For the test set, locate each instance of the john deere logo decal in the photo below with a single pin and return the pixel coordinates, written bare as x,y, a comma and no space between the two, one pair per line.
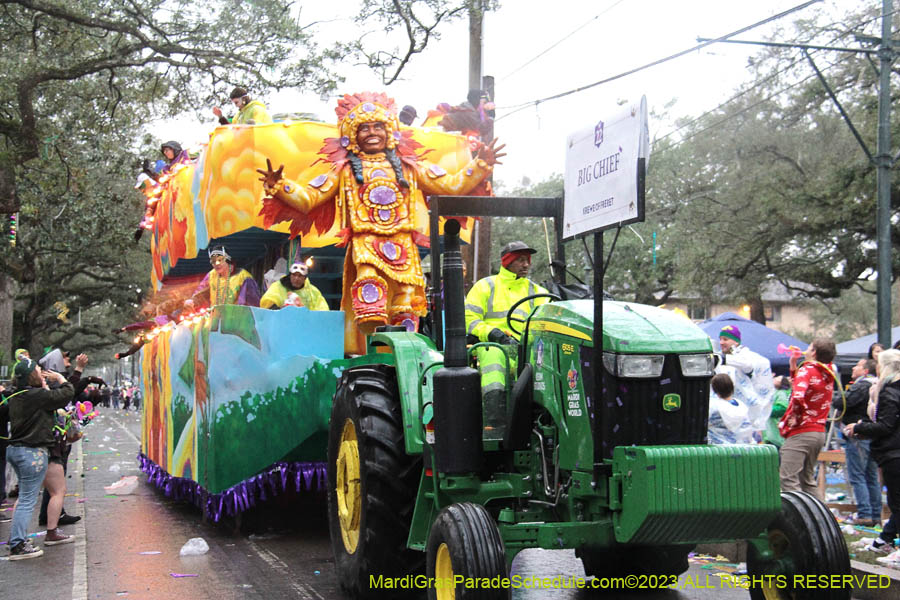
671,402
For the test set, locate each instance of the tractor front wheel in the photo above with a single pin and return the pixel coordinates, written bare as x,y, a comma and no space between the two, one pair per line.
465,542
372,482
804,540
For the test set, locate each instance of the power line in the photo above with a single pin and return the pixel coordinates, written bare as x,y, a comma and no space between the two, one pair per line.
561,40
741,111
847,31
659,61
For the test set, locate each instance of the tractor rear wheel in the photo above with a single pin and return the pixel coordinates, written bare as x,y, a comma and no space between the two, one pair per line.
464,542
804,539
372,482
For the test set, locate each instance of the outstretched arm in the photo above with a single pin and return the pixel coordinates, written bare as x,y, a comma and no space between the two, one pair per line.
491,153
433,179
134,348
200,296
310,192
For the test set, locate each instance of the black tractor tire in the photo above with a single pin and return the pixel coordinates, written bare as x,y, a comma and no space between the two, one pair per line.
640,560
465,539
366,413
805,536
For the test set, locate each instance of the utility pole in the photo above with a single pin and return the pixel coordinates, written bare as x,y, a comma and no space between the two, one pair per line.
477,255
476,32
884,161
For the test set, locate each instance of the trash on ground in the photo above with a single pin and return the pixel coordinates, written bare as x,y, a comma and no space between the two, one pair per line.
849,529
194,547
31,535
891,560
114,468
183,574
123,487
150,552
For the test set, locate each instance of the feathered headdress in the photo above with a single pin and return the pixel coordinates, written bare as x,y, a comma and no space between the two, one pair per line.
352,110
366,107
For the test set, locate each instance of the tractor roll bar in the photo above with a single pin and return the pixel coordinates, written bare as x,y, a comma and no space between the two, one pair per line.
482,206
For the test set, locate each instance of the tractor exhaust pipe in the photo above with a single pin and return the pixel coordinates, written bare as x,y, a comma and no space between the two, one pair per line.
454,311
457,387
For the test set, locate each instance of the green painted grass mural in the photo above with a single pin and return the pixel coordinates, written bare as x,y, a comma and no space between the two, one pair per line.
242,390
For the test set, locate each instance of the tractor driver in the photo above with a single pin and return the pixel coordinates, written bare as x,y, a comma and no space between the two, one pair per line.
487,304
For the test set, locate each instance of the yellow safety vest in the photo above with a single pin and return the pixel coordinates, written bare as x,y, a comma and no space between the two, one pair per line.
490,298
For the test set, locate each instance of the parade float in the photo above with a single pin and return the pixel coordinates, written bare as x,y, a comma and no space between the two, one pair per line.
602,444
237,397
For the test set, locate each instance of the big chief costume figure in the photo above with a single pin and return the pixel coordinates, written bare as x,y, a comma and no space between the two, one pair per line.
371,188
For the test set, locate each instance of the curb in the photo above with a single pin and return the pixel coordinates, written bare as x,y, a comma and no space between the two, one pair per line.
737,552
889,592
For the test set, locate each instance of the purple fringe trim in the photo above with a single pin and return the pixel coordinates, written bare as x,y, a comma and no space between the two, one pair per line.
242,496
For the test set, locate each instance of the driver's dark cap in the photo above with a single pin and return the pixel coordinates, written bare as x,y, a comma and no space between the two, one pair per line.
517,247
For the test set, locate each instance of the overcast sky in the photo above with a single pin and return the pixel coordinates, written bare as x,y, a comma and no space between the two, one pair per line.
591,40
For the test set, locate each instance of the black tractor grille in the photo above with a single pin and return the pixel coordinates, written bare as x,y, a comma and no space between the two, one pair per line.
632,413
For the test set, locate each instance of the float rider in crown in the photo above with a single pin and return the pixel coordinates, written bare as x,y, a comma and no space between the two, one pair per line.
370,189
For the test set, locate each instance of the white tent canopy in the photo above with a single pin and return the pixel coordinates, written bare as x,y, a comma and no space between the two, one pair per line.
861,345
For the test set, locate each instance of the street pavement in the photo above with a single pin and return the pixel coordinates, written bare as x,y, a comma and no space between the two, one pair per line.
128,546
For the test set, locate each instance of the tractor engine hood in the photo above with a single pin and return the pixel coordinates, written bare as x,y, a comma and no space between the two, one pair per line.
628,328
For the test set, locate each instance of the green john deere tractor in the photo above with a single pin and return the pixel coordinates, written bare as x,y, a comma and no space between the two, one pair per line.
625,478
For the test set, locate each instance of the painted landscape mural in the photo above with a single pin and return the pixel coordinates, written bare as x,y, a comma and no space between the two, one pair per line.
242,389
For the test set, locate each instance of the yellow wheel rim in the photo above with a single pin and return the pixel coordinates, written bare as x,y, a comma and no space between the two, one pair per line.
771,592
443,572
349,500
780,546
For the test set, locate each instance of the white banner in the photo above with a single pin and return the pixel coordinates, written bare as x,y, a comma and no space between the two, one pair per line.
602,174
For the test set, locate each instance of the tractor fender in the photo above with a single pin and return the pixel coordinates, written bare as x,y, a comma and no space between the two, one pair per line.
415,360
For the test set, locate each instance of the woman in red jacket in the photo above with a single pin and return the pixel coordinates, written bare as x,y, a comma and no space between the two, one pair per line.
803,423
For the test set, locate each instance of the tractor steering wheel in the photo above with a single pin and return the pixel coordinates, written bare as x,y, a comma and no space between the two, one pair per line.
512,309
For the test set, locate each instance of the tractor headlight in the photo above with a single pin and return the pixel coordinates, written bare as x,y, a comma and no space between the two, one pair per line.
609,361
643,366
697,365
